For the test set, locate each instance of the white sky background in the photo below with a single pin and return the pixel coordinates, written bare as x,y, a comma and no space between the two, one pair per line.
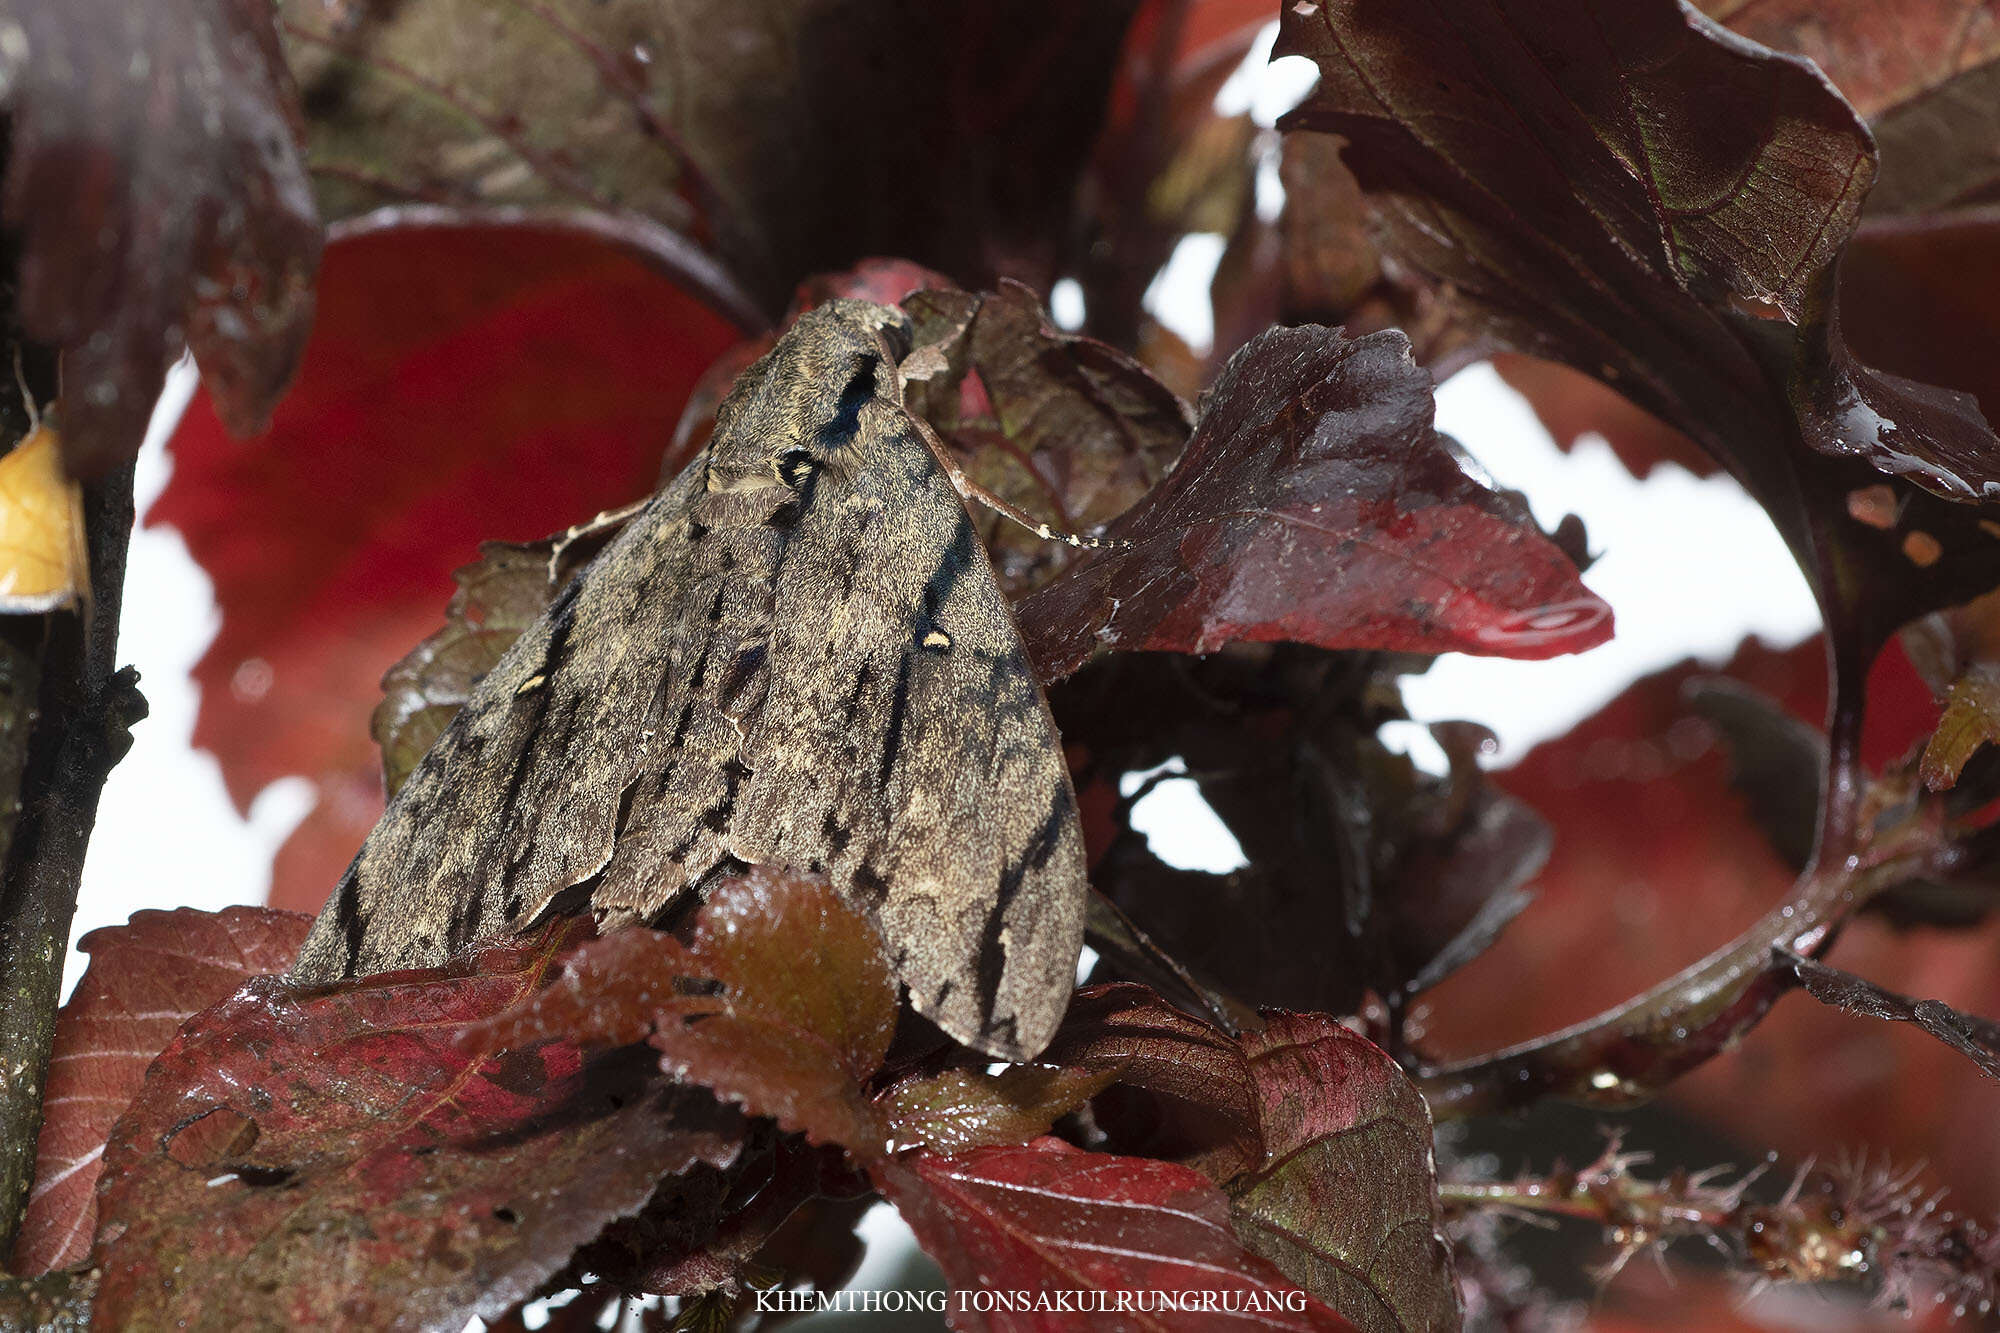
1689,567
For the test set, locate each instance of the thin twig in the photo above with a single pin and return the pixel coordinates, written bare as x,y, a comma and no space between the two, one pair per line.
1625,1056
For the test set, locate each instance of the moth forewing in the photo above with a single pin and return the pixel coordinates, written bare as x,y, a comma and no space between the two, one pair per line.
796,654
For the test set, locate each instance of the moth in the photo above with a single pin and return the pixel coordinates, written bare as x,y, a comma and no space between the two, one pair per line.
795,654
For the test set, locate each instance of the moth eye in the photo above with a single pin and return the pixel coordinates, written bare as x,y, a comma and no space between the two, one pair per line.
854,396
794,466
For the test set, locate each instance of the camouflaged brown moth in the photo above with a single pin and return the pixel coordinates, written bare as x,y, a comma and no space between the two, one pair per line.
795,654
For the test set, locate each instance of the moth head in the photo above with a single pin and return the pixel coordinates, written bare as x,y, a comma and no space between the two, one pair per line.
809,403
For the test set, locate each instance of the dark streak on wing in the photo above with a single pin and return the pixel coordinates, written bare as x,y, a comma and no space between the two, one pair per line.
347,910
958,558
899,708
992,955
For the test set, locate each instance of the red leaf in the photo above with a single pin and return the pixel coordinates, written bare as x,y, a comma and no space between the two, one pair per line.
1316,503
460,386
782,1002
1345,1200
1046,1220
144,980
1319,1139
334,1156
155,182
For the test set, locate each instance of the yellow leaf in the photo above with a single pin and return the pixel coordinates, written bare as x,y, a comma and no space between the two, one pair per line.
43,561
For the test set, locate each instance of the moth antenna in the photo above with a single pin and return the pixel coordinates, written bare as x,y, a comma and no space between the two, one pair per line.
969,489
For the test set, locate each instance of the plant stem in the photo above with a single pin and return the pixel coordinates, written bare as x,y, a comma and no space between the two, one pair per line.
1623,1057
82,709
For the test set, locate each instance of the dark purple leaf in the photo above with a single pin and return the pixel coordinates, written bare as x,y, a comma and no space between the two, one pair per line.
1317,504
1344,1196
1627,189
154,178
300,1157
1397,877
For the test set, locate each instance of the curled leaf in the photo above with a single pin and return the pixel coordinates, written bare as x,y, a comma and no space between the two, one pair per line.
1319,1139
1628,189
1066,428
1316,503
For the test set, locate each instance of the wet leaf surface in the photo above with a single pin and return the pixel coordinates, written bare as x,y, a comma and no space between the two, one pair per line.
161,203
1344,1196
300,1156
144,980
461,386
1318,1138
1046,1217
1584,181
1316,503
962,1109
780,1001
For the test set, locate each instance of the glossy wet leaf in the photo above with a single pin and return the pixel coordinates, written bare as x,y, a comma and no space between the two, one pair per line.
962,1109
1344,1196
1046,1218
301,1156
781,1001
1316,503
155,181
461,387
1585,177
145,978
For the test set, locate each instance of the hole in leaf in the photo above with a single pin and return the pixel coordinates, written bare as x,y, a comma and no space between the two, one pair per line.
212,1138
263,1177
